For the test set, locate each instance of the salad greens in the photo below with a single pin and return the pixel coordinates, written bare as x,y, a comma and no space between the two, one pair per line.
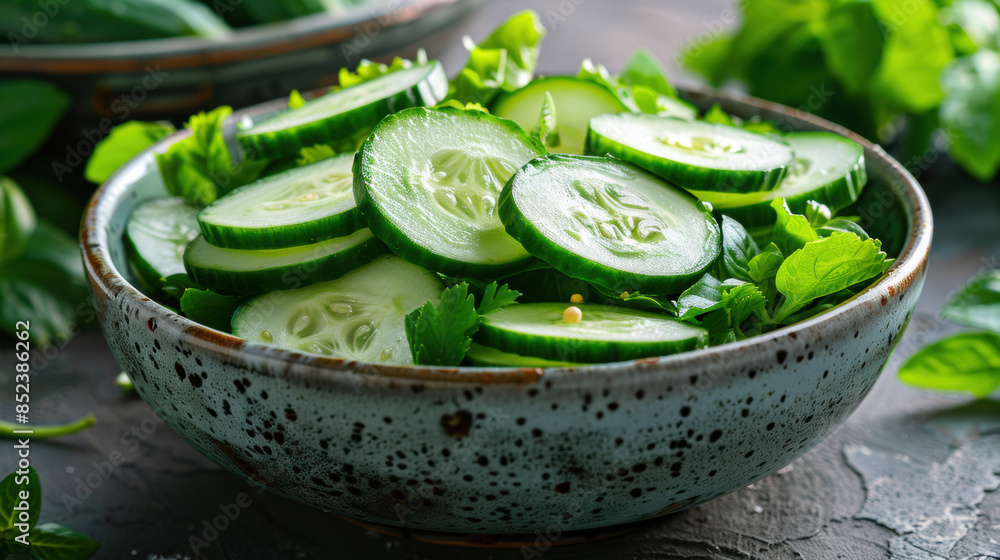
969,361
870,64
122,144
49,541
504,61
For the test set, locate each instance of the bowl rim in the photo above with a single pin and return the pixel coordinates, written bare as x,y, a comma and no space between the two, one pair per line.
320,370
244,44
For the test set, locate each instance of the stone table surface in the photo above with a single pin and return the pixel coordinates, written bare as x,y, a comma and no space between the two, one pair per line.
911,475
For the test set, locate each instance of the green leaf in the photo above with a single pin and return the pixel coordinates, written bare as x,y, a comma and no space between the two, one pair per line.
722,307
29,111
598,73
649,101
716,115
644,69
51,541
978,304
763,268
973,23
11,488
843,225
17,219
123,143
45,286
210,309
547,130
916,51
496,298
825,267
971,112
738,248
174,286
505,60
707,294
852,43
200,167
312,154
295,99
440,335
967,362
791,231
817,214
368,71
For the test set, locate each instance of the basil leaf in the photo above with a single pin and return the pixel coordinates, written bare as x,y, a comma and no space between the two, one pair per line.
791,231
966,362
210,309
51,541
825,267
29,110
17,219
842,225
11,488
123,143
978,304
737,249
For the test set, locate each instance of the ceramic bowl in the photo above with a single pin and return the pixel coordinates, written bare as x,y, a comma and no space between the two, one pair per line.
513,451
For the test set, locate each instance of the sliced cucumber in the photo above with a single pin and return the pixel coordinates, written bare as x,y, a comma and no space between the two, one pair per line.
610,223
693,154
427,182
344,118
297,207
484,356
156,235
359,316
576,99
603,334
828,168
248,271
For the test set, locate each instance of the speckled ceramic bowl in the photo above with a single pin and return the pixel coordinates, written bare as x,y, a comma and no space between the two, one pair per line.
513,451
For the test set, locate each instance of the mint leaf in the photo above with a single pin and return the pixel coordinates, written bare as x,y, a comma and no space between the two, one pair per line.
29,110
440,335
547,129
123,143
210,309
51,541
496,298
966,362
824,267
505,60
738,248
978,304
11,488
791,231
200,167
17,219
971,112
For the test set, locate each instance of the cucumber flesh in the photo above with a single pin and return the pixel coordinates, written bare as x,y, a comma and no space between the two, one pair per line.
603,334
427,182
610,223
246,271
157,233
484,356
576,101
343,118
297,207
693,154
359,316
828,168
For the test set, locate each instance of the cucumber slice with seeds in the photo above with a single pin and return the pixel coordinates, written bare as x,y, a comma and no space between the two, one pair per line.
610,223
246,271
297,207
693,154
484,356
359,316
343,118
156,235
576,99
603,334
427,181
828,168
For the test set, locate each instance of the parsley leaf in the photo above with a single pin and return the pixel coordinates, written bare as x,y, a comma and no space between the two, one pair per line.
967,362
824,267
496,298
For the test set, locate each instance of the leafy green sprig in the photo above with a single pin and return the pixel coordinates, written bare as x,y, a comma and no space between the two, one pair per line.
21,493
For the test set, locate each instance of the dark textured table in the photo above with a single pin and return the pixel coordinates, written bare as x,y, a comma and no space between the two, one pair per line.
912,475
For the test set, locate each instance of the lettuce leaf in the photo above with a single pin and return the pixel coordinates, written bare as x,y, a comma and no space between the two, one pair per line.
504,61
123,143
